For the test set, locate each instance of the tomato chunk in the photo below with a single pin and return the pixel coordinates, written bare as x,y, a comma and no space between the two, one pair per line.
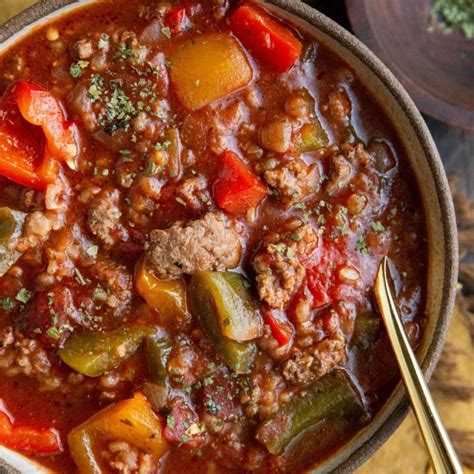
271,42
34,135
321,278
27,438
237,188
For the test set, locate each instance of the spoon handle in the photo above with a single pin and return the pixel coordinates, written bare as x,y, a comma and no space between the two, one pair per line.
442,454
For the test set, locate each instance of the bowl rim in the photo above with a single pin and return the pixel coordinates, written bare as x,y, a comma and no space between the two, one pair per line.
40,12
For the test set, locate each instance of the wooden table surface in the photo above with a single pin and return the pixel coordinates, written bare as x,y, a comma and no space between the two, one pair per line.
453,381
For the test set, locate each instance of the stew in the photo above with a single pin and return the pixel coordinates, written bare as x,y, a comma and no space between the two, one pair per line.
195,199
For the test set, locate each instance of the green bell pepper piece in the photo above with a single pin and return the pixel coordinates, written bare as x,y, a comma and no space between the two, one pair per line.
225,311
158,352
313,136
95,353
11,225
366,330
330,397
234,307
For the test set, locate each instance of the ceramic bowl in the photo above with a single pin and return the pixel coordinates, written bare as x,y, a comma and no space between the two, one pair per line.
432,182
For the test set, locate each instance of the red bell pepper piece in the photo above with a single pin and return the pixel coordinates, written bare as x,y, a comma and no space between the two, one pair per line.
237,188
177,20
282,329
33,136
40,107
27,438
270,41
21,146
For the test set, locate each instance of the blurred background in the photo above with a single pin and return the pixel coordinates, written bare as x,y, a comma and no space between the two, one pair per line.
426,28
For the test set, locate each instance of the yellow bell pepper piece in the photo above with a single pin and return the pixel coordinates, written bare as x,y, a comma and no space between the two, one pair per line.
131,420
168,297
208,67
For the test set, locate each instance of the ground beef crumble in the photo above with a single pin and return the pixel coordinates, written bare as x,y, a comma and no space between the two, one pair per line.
321,347
279,271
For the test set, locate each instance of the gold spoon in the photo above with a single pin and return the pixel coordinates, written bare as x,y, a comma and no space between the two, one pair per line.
441,451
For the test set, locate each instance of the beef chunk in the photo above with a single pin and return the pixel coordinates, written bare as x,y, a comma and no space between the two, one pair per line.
210,243
278,265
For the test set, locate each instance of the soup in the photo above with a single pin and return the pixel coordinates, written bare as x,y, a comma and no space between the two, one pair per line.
196,197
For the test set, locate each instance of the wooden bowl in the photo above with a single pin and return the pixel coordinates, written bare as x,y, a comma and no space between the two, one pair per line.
436,68
430,176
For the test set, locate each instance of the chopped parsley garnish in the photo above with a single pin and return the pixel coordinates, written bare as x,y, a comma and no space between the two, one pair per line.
7,304
103,41
450,14
280,248
170,421
76,68
151,167
162,146
123,52
361,245
79,277
166,31
99,294
23,296
92,251
119,110
53,333
211,406
96,88
377,226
